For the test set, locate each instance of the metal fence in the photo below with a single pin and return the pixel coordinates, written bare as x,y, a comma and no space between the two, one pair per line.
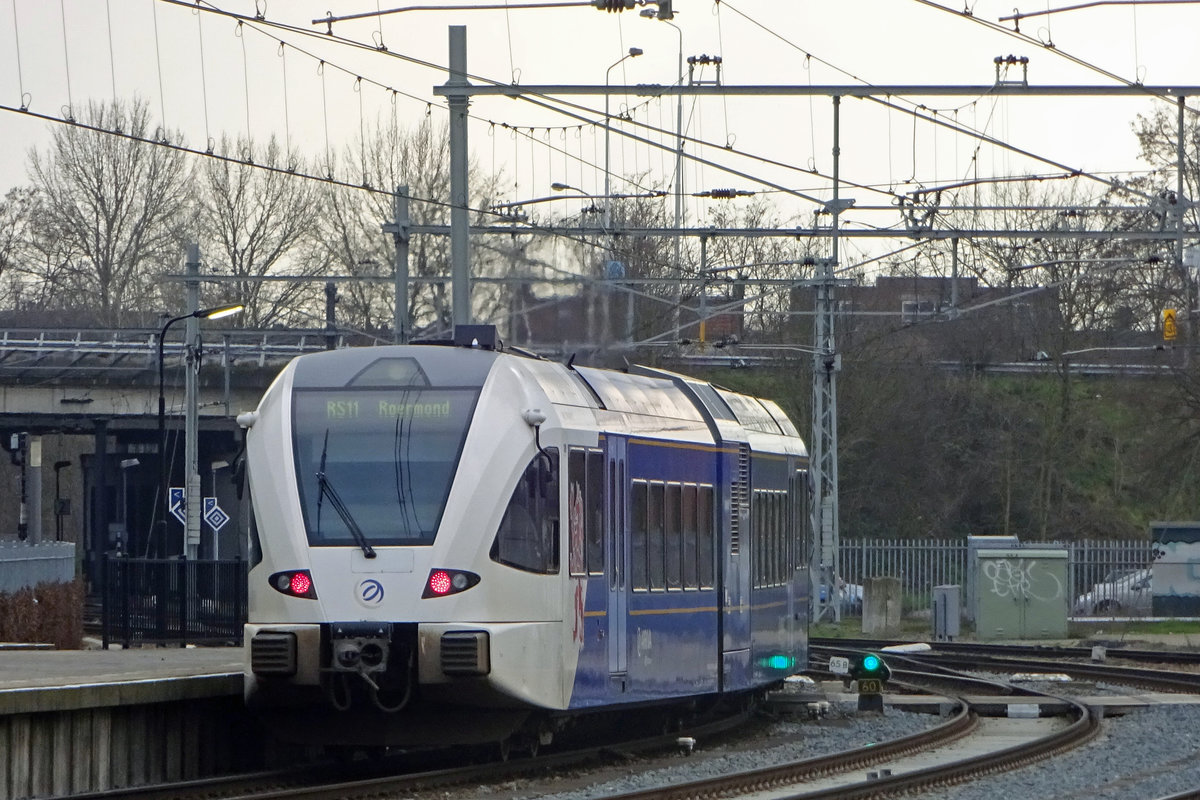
1105,576
172,601
25,564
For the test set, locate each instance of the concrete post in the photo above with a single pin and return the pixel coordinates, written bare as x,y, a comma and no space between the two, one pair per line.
460,220
35,488
882,601
191,423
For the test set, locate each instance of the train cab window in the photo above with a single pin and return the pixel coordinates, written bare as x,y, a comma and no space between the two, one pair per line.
528,535
388,454
705,538
638,515
673,539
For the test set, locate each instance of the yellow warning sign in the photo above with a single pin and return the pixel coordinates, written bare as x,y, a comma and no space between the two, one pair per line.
1169,330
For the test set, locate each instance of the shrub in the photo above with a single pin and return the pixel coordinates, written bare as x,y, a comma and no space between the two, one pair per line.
47,613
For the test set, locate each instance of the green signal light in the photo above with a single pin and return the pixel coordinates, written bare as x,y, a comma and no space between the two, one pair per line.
871,663
777,662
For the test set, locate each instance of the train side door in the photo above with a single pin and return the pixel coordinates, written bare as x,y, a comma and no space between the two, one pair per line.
798,543
617,499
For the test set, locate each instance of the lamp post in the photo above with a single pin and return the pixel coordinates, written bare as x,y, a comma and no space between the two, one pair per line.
215,466
634,52
204,313
665,16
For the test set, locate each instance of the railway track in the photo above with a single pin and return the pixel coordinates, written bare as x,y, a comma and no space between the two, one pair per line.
404,775
1007,658
931,758
1112,650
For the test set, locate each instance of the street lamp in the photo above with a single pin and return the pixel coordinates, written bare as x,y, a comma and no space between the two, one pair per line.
664,14
204,313
634,52
566,187
216,465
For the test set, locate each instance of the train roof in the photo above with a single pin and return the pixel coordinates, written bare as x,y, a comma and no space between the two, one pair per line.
646,392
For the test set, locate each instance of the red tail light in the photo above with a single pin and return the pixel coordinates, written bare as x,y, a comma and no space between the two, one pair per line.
442,582
294,583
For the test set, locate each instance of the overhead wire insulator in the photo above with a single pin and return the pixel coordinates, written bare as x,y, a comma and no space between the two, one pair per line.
724,194
613,6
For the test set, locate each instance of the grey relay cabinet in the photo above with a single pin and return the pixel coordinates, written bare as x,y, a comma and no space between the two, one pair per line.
1021,594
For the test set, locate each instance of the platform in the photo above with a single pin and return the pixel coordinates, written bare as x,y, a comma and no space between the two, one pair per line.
88,720
61,680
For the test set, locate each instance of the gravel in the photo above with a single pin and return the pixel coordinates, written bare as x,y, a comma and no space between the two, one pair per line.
1150,752
1146,753
780,742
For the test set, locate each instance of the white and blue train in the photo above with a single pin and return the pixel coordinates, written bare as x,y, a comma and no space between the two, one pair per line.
456,542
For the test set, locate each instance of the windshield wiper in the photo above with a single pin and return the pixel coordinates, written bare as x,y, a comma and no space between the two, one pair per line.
325,489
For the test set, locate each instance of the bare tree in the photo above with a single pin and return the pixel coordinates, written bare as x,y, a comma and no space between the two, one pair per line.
15,211
109,212
353,243
253,220
734,263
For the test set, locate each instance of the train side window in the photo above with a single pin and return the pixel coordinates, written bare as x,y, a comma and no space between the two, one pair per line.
640,532
254,553
690,534
655,542
577,502
673,540
777,534
785,566
593,509
706,538
756,539
528,534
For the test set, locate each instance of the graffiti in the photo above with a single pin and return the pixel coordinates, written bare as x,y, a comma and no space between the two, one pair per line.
575,523
577,631
1021,579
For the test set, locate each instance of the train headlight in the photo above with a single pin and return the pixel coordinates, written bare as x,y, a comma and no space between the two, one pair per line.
443,582
294,583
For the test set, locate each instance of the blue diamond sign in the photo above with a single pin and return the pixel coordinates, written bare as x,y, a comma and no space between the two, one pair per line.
177,504
213,515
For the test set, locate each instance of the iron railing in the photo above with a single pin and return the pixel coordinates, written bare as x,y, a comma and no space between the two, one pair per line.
1102,568
172,601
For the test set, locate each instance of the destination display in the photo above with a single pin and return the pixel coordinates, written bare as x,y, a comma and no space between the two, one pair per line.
387,454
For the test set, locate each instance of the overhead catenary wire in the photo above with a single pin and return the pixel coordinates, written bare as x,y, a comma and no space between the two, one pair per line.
544,102
17,51
66,58
239,161
421,62
203,79
541,101
162,103
1049,46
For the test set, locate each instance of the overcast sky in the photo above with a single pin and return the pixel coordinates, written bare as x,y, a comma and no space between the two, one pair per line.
205,76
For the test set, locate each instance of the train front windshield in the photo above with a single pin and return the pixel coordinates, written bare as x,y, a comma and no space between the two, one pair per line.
379,460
